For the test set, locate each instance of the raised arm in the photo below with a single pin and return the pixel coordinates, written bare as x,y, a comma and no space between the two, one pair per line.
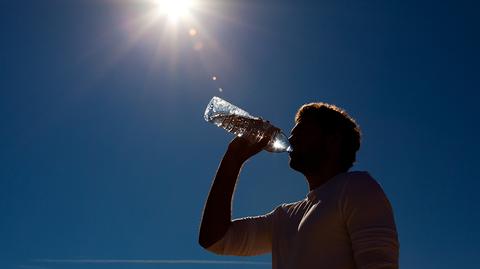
216,218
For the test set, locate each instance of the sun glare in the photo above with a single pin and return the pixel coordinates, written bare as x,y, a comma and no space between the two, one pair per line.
175,9
174,27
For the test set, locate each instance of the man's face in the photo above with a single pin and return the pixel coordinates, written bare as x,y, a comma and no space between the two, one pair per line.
310,148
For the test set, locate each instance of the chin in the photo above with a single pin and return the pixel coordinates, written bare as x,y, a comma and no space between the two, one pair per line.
295,166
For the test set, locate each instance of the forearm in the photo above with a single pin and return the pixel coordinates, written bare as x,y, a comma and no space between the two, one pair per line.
216,217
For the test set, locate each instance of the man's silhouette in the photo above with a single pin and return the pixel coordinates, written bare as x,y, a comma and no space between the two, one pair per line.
345,221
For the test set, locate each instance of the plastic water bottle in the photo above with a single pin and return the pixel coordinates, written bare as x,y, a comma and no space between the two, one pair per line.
237,121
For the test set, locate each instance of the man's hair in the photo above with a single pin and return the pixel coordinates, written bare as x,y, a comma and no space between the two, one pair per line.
334,121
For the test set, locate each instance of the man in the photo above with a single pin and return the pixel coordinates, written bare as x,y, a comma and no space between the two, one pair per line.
345,221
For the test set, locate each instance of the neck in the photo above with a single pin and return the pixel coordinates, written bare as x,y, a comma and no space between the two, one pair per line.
321,177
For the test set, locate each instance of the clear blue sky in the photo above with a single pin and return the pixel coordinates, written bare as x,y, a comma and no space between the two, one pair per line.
105,153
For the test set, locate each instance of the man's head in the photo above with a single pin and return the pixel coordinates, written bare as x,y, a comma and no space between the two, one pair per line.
323,135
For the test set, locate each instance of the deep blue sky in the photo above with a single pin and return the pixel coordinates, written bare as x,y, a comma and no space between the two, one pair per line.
105,154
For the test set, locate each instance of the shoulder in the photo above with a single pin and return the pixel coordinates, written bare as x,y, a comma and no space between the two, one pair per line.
360,180
364,202
360,185
361,188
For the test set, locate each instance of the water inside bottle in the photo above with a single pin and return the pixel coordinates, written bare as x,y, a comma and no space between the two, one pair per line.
254,128
239,125
239,122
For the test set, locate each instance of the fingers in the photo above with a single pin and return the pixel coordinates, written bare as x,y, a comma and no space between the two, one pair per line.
264,141
252,143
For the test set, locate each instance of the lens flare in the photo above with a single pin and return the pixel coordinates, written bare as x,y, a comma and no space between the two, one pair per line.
175,9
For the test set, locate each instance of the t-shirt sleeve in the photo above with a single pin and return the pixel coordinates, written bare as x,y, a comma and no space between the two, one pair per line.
247,236
369,220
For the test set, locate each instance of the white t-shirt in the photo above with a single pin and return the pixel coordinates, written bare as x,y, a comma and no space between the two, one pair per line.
347,223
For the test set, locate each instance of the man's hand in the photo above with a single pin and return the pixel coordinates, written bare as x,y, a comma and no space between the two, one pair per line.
241,149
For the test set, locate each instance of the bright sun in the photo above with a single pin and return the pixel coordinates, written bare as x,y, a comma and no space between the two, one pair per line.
175,9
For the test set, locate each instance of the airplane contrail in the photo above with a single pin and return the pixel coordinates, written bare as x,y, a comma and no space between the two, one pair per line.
123,261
